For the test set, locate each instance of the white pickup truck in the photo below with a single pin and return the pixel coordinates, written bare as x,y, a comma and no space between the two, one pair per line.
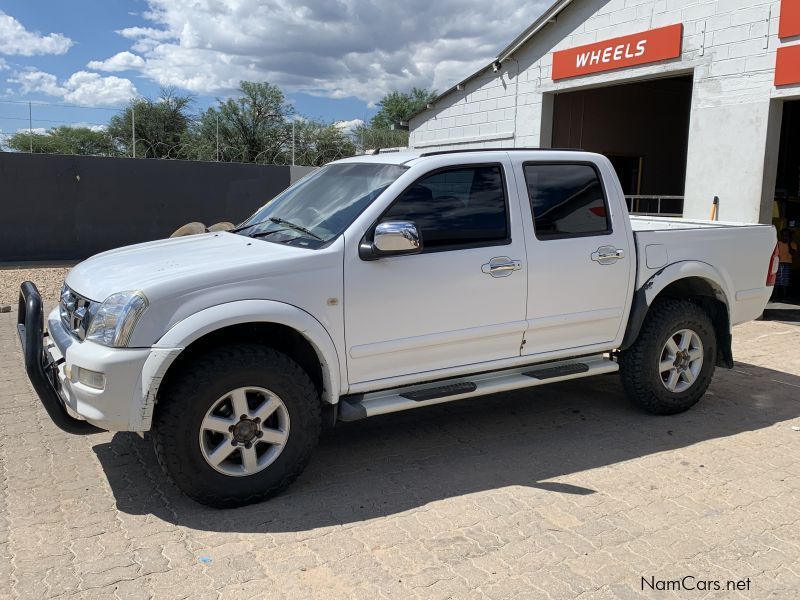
384,283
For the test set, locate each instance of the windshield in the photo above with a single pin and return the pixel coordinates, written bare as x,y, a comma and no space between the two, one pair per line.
322,205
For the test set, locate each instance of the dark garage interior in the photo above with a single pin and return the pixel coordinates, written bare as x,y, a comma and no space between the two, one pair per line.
787,189
642,127
786,207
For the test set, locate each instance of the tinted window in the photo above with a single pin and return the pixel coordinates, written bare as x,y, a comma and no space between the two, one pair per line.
566,200
463,206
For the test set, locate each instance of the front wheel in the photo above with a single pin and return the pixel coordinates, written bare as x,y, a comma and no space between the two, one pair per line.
237,426
670,365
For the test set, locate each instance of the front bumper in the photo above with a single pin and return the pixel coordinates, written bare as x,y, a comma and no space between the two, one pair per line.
51,358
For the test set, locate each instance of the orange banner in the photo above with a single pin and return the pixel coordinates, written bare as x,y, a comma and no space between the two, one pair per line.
650,46
790,19
787,65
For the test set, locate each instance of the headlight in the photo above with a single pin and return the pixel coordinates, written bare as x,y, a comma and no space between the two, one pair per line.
113,322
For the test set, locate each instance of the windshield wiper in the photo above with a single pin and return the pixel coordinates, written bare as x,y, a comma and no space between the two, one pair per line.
277,221
290,225
261,234
243,227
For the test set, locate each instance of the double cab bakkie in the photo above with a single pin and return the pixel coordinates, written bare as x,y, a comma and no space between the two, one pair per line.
384,283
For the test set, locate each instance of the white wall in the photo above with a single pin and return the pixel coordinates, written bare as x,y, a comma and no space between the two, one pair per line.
728,45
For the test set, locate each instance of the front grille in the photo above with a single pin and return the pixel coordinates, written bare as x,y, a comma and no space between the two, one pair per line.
74,311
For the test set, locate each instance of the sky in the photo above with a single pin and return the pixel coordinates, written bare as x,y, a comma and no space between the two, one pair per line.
79,61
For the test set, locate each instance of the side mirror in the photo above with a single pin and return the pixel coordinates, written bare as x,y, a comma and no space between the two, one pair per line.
392,238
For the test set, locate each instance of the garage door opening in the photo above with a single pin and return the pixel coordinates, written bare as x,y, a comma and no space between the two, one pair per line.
644,130
786,209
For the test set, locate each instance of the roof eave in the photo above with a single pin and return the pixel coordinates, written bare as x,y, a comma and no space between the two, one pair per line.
548,15
450,90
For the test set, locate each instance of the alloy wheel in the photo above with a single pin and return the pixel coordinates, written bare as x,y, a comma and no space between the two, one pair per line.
681,360
244,431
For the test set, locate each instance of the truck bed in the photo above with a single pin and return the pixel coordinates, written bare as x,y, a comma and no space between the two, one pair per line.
739,252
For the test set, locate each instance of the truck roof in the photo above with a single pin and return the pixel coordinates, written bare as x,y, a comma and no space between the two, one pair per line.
400,158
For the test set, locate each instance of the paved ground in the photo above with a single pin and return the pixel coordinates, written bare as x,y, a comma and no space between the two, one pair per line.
561,492
48,278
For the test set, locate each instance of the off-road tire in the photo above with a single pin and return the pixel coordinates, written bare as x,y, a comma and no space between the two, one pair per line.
191,392
638,364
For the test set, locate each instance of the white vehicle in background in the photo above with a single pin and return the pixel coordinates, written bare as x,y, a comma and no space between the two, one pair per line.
385,283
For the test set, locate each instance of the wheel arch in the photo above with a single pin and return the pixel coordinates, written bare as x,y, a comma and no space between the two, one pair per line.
694,281
283,327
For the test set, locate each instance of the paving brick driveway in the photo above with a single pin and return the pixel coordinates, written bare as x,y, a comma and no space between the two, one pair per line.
559,492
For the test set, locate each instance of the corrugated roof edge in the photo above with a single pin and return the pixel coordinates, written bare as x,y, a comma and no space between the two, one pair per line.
505,53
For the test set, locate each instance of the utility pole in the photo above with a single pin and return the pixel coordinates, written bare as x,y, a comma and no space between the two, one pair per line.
30,125
293,142
133,130
217,137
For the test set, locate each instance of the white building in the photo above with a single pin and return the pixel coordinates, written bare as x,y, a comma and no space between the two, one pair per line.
691,99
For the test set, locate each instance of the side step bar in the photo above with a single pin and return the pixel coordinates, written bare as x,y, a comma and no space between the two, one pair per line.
361,406
440,392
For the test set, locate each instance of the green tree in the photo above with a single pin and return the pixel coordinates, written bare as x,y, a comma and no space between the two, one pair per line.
395,108
161,125
254,127
65,140
369,138
316,143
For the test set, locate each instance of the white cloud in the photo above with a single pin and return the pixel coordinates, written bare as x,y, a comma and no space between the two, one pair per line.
80,125
15,39
122,61
349,126
146,38
135,33
34,131
92,126
3,65
37,81
83,88
333,48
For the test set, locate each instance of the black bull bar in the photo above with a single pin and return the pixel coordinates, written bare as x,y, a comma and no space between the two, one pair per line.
41,370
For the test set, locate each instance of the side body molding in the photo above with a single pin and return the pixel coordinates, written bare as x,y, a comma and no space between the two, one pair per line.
191,329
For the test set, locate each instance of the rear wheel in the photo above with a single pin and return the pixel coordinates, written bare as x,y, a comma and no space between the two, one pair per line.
670,365
237,426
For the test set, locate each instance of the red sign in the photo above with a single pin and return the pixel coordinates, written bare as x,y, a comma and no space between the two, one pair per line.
790,19
787,66
626,51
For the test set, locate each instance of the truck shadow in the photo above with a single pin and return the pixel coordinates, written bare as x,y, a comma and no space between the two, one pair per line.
390,464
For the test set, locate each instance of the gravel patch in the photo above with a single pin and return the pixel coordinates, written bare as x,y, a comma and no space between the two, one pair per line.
47,278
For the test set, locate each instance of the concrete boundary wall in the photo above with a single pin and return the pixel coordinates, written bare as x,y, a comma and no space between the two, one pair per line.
56,207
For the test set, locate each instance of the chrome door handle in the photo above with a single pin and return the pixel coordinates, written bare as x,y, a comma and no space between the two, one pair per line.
606,255
501,266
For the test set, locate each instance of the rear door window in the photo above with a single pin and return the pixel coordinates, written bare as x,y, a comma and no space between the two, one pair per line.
567,200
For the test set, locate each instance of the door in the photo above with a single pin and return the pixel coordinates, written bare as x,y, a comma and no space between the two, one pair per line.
461,300
579,262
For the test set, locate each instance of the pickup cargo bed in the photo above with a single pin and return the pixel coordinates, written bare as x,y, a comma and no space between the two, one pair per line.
664,241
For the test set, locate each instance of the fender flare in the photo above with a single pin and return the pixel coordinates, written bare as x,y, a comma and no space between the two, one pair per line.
643,297
211,319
